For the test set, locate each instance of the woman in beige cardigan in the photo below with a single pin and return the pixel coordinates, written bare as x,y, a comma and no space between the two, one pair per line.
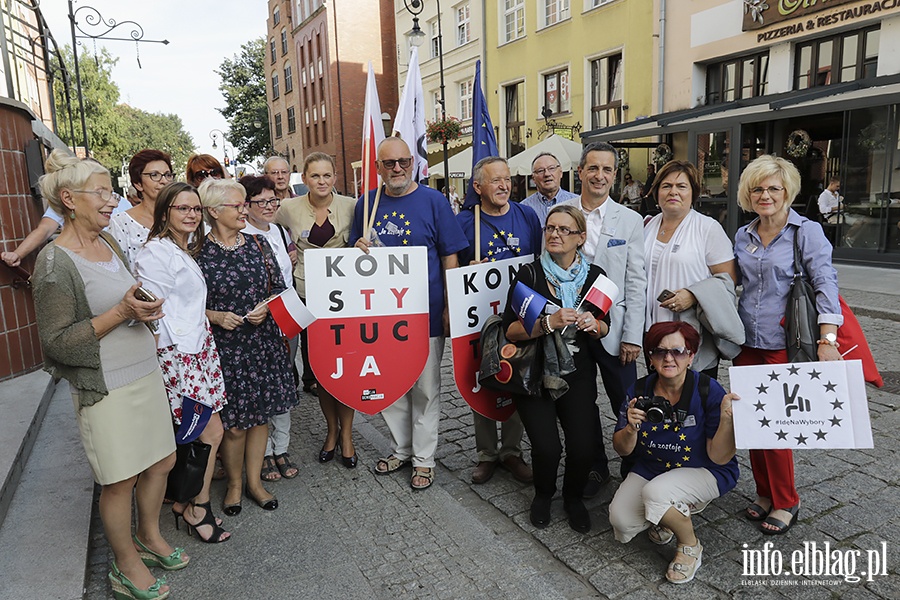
88,318
321,219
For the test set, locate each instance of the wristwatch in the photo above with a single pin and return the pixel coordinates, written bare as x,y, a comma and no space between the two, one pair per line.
830,339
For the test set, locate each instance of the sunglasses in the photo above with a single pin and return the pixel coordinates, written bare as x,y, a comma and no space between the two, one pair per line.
204,174
677,353
390,162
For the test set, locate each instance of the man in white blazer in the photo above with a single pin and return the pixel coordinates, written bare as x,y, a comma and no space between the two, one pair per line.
615,242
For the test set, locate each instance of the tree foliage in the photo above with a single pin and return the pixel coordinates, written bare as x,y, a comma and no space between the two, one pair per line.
243,85
115,131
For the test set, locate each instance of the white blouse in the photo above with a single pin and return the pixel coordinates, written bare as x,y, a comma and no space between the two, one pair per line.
129,234
169,272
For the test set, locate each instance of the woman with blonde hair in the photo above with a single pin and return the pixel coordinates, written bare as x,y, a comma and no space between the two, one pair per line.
241,272
85,299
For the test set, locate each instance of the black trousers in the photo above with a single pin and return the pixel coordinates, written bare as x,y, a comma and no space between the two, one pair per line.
575,412
308,378
616,381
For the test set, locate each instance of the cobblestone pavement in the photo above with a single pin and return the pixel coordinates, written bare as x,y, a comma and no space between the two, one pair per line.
349,534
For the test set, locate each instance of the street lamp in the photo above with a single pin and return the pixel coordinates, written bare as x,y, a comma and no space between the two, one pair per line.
214,135
416,37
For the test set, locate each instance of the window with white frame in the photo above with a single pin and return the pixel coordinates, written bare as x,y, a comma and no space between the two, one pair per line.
435,42
606,91
284,42
288,78
272,46
596,3
555,11
556,91
278,131
465,100
276,16
436,102
513,20
275,92
462,24
292,120
514,96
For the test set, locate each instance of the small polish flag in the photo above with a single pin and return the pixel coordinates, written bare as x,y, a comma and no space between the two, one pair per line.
290,313
603,293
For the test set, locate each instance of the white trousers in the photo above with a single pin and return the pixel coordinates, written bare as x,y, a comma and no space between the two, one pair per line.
639,503
413,419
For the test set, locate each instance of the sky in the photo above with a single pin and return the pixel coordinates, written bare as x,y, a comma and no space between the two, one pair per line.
179,77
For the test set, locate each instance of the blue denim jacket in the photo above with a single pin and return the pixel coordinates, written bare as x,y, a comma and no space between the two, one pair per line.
766,274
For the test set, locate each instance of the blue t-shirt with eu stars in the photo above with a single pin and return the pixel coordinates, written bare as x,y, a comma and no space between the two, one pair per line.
420,218
662,447
516,233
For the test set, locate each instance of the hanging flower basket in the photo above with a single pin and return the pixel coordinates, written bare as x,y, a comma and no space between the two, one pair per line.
798,144
662,154
445,130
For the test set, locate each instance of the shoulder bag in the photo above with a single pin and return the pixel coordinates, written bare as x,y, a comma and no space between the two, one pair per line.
801,327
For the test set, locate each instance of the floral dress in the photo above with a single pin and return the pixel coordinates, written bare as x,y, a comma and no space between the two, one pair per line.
254,359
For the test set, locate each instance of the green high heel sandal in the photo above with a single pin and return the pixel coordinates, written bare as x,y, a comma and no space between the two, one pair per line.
172,562
123,589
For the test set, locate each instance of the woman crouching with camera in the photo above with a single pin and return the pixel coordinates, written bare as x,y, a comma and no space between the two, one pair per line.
677,424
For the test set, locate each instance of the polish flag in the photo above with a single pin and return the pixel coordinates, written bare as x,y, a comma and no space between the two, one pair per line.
290,313
410,122
373,134
603,293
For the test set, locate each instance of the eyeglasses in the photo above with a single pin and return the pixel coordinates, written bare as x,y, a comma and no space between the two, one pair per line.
105,195
156,176
238,207
773,190
540,172
277,173
677,353
562,231
186,209
215,173
276,202
390,162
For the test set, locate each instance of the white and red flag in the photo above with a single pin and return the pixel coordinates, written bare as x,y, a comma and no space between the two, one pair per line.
410,122
603,293
290,313
373,134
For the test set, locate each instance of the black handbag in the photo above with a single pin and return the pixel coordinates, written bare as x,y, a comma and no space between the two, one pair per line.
510,367
186,477
801,326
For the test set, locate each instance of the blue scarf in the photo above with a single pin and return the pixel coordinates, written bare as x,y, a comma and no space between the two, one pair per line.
566,282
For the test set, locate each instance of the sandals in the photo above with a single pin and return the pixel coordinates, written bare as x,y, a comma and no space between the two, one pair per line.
755,512
683,572
287,469
779,525
426,473
270,470
389,465
660,535
172,562
209,519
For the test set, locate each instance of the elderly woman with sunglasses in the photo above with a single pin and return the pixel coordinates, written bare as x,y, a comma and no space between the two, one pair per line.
678,425
201,166
150,171
186,349
262,208
241,272
85,300
562,275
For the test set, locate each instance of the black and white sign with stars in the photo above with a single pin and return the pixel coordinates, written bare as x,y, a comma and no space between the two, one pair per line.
801,405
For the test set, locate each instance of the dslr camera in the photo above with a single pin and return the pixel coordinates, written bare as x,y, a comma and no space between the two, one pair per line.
657,408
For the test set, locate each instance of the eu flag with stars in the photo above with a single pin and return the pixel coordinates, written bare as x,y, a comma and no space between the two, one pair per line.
484,142
528,305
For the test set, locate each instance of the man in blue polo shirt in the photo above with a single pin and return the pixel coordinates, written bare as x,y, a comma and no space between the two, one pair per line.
410,214
547,176
508,230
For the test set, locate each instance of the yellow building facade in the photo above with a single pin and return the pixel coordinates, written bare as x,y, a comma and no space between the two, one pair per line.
568,66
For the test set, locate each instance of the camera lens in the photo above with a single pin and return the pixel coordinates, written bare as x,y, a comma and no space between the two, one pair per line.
655,414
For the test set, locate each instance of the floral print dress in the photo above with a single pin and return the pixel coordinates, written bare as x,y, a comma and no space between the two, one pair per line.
254,359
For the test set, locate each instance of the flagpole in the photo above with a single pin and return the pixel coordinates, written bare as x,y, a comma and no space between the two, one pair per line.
477,233
370,224
365,186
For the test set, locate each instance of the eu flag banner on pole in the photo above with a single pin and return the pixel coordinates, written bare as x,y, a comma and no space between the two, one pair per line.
484,142
528,305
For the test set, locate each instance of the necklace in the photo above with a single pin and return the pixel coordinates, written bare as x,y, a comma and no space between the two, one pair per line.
237,244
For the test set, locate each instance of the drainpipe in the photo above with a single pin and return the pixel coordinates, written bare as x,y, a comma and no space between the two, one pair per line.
662,56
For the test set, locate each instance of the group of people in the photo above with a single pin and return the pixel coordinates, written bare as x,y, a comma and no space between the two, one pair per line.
166,300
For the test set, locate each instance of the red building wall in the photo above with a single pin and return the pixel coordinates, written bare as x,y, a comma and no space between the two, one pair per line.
20,350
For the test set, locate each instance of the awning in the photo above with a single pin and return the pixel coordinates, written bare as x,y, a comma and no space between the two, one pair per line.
567,152
460,165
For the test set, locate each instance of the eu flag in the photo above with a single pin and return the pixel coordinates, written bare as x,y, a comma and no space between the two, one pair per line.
484,142
528,305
